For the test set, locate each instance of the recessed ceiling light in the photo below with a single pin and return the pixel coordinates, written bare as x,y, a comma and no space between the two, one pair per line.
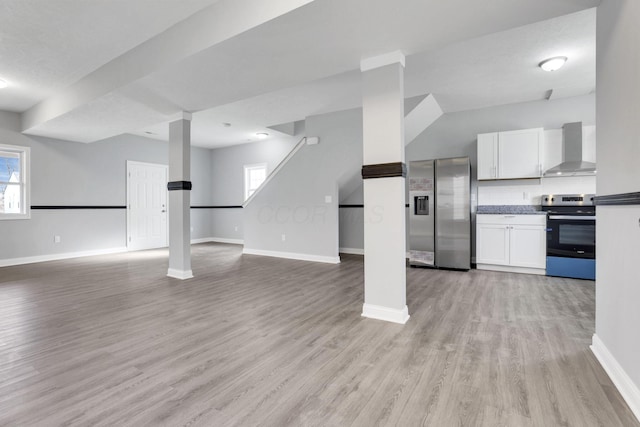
262,135
3,84
553,64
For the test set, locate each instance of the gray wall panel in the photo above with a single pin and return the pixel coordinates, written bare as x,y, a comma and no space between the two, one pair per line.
617,232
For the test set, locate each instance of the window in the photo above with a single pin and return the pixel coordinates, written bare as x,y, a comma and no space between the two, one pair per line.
14,182
254,176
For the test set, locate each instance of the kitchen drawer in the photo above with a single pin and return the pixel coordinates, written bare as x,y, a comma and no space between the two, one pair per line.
511,219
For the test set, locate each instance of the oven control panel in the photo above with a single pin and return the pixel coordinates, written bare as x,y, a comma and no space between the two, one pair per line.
567,199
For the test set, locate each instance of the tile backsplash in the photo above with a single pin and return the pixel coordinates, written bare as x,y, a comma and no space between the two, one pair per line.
528,191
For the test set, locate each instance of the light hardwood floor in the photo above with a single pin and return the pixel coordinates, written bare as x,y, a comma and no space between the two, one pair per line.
252,340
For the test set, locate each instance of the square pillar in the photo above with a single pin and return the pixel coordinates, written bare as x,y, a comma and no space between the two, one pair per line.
180,198
384,173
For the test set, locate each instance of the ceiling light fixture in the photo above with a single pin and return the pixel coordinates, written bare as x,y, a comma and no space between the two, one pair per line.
3,84
553,64
226,124
262,135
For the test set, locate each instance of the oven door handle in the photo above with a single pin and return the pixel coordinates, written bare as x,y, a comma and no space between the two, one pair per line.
573,217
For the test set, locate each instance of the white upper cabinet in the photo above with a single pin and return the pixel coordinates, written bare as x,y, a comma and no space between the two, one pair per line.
510,155
488,156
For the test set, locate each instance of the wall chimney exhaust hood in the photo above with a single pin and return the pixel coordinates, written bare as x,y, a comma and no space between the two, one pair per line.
573,163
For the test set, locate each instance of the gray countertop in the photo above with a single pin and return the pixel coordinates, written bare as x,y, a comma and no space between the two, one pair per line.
509,210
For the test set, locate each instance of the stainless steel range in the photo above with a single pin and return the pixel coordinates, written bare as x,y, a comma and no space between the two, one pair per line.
571,235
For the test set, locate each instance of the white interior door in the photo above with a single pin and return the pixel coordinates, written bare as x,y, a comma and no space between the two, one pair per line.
146,205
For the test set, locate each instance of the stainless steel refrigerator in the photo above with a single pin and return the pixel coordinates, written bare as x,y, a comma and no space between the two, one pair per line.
440,213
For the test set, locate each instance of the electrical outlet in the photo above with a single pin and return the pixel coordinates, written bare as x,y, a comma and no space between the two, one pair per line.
284,237
192,229
56,239
236,228
327,199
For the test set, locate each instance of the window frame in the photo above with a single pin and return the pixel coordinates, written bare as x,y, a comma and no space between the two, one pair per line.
247,171
24,183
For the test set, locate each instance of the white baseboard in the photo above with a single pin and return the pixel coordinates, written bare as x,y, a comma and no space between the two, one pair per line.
359,251
353,251
180,274
629,391
217,240
201,240
292,255
56,257
510,269
385,313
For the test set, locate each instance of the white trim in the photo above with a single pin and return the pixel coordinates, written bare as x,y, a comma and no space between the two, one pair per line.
353,251
385,313
284,161
247,171
25,181
55,257
382,60
511,269
629,391
180,274
292,255
217,240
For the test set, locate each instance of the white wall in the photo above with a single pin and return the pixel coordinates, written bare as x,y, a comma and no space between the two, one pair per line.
201,178
227,180
68,173
293,203
617,341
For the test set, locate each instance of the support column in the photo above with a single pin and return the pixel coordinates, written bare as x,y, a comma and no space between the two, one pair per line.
384,173
180,198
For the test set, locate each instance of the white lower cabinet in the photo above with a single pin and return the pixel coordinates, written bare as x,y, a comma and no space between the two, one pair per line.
492,244
511,243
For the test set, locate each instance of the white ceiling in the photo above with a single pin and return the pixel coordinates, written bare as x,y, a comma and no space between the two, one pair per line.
283,65
46,45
